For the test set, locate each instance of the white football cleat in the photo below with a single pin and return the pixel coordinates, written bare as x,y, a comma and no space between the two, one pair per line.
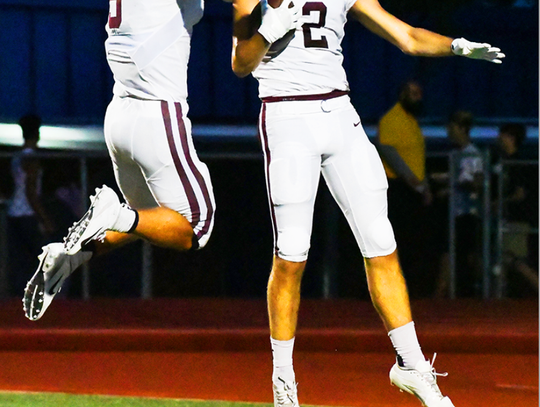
100,217
285,394
421,382
54,267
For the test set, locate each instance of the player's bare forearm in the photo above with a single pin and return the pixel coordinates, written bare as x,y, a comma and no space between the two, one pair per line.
249,47
411,40
248,54
429,44
398,165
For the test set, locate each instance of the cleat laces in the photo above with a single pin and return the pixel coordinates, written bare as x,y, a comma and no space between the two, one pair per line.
430,377
285,396
76,231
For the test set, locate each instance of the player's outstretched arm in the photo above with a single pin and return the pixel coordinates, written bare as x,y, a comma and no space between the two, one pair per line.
253,35
418,41
462,47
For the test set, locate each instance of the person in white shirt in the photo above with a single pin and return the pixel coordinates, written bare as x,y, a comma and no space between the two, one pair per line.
467,202
167,189
309,127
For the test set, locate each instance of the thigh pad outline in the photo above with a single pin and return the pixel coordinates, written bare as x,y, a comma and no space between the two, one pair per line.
293,174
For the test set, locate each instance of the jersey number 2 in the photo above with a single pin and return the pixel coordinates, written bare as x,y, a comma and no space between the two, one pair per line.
309,7
115,13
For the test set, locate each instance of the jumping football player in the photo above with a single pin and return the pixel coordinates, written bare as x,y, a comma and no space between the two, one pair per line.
168,191
308,126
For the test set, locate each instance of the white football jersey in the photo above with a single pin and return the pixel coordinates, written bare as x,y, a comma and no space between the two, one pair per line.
148,46
312,62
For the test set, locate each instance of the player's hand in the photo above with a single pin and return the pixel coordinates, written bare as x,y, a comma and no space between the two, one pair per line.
427,197
276,22
475,50
424,190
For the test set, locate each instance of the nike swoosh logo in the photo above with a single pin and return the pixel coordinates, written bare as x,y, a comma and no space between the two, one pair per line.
356,124
52,290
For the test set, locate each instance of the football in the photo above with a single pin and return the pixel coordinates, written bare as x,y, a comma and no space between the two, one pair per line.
274,3
279,46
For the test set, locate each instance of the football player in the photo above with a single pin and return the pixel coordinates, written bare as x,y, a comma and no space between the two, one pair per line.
168,190
308,127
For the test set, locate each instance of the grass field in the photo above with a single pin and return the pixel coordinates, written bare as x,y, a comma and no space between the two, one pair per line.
19,399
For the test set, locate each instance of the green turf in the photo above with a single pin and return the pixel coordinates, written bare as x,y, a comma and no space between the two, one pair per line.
70,400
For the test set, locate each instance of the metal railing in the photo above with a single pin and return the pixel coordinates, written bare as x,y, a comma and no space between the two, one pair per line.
518,230
484,202
493,224
496,226
83,158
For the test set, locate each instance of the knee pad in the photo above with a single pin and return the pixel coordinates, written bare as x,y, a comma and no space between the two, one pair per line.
380,240
293,244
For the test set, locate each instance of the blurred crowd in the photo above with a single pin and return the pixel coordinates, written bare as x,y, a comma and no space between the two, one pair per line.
427,192
433,207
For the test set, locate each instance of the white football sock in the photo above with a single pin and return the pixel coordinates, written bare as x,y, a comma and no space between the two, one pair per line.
282,352
406,345
127,220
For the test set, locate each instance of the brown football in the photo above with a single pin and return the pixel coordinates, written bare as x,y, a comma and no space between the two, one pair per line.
277,47
274,3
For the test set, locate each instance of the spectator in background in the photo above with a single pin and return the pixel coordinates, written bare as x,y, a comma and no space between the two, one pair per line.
519,208
29,223
401,145
468,181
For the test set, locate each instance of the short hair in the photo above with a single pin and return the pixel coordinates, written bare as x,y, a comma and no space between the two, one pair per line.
30,125
516,130
462,118
405,86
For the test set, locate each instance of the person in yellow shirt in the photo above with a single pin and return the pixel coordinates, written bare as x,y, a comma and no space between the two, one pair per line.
401,140
402,147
